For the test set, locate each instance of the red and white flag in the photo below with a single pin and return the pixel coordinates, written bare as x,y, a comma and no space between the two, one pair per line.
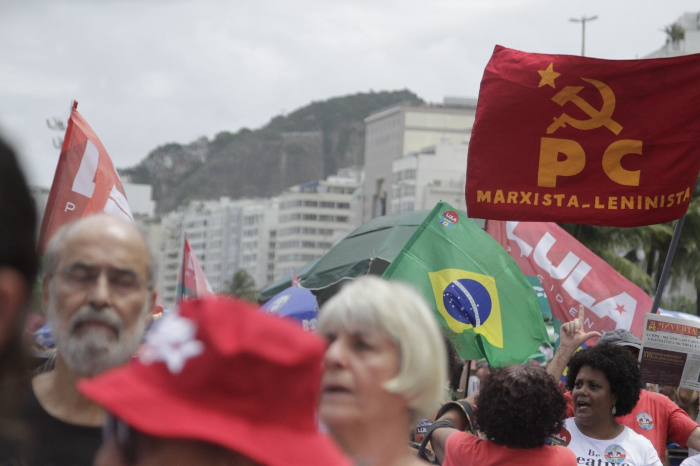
571,275
85,181
192,281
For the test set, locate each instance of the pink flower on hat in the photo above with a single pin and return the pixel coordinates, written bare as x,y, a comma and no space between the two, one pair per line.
171,340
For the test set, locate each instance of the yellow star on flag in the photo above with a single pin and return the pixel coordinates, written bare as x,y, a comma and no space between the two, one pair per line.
548,76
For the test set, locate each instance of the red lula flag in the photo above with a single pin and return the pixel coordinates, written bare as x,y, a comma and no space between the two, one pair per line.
582,140
85,181
571,275
192,281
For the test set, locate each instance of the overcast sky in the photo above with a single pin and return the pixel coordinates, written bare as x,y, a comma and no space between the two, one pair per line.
150,72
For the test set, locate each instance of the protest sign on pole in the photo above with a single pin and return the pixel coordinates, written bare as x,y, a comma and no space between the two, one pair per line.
671,351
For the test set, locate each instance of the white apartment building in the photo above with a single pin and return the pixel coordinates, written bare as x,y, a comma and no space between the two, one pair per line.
690,22
313,217
422,178
225,236
398,130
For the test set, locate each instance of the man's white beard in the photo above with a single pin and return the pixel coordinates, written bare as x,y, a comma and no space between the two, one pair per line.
93,352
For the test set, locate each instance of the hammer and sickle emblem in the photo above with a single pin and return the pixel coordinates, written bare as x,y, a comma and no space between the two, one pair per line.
602,117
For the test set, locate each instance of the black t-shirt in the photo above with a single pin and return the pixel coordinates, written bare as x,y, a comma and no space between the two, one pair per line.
52,442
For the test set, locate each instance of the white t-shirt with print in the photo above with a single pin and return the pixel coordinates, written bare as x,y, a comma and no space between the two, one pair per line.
627,449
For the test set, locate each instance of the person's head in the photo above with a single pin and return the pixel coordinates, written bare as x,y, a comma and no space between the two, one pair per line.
482,371
97,292
520,407
604,381
625,339
205,389
386,354
18,260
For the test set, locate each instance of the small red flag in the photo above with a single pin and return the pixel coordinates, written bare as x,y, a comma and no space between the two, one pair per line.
192,281
85,181
584,140
571,275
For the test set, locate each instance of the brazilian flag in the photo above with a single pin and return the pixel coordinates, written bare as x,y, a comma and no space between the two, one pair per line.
479,295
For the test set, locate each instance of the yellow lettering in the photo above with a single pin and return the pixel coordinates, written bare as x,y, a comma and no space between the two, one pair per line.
551,167
639,202
547,199
627,202
512,197
499,197
537,196
482,196
687,194
525,197
671,200
612,203
598,205
612,159
559,198
573,201
650,202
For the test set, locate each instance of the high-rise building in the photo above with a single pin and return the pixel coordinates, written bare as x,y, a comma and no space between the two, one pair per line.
683,37
313,217
424,177
225,236
398,130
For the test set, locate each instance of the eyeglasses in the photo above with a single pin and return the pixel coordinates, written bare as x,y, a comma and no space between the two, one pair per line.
126,437
81,277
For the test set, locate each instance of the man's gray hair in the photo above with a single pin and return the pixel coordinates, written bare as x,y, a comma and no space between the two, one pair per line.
54,247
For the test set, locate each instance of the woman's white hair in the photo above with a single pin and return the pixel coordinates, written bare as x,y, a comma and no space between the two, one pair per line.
399,312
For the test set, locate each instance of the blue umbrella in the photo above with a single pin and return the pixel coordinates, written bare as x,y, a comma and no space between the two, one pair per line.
296,303
43,336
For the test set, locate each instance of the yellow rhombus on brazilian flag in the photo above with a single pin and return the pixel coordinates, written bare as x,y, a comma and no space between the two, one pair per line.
479,295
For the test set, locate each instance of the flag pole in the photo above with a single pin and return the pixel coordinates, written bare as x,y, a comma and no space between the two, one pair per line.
181,285
667,264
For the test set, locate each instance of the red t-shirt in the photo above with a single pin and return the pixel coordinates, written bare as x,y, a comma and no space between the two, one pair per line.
655,417
466,449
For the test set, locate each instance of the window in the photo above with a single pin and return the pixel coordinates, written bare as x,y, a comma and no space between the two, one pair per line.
343,205
308,217
310,204
341,218
328,204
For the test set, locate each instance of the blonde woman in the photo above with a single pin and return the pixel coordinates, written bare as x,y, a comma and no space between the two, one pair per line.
385,368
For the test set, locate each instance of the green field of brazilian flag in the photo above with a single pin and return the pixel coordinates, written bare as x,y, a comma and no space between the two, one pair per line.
479,295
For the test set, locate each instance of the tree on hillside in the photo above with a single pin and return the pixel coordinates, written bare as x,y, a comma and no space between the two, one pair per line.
242,285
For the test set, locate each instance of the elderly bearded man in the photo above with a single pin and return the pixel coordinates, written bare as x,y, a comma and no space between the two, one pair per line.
98,294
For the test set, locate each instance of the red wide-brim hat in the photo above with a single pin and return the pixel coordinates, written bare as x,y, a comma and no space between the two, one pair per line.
222,372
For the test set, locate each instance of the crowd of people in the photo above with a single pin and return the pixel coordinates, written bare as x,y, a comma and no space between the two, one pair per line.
221,383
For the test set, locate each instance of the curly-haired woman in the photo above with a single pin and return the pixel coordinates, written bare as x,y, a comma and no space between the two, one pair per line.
519,407
605,382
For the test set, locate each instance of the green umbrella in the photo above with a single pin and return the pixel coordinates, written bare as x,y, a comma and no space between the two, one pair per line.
283,283
367,250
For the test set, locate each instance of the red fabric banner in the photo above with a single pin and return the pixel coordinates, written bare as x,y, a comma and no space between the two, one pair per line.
192,281
85,181
571,275
582,140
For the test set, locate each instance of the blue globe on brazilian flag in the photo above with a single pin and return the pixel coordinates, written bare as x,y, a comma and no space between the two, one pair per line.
486,306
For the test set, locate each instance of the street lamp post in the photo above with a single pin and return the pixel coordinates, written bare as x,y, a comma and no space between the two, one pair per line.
583,20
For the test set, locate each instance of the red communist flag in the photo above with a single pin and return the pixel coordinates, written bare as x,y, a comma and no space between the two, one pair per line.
85,181
583,140
571,275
